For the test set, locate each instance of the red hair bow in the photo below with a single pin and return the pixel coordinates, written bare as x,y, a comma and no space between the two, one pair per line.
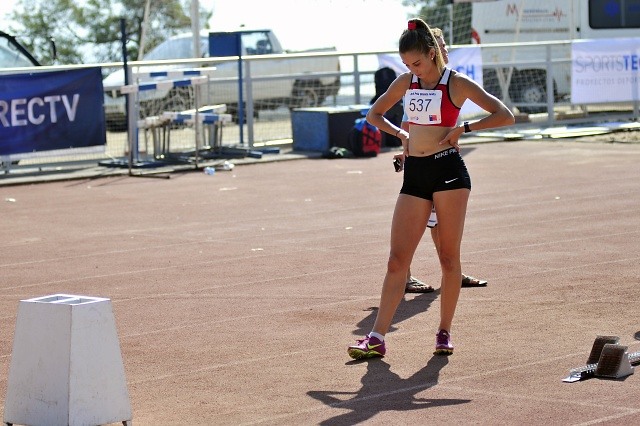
411,25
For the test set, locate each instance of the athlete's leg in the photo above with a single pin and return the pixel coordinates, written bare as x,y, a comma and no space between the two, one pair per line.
451,209
407,227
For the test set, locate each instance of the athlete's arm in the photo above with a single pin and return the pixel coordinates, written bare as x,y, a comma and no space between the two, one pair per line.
388,99
463,88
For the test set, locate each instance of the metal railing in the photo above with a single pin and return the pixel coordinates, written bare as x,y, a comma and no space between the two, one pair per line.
269,122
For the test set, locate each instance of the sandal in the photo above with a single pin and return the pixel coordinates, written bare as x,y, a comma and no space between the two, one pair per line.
414,285
469,281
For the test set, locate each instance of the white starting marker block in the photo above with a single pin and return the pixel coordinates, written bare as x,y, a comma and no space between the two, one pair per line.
66,367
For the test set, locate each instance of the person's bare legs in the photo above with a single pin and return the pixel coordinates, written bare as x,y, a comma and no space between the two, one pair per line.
436,244
473,282
451,207
434,237
436,241
407,227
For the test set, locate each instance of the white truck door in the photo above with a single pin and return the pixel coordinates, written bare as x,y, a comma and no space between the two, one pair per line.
257,43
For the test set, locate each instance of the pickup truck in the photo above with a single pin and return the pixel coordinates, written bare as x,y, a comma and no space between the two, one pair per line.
308,87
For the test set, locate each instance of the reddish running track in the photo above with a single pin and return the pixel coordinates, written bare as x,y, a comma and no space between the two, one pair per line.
236,295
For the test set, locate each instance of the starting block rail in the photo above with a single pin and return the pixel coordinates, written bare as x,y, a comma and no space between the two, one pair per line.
607,359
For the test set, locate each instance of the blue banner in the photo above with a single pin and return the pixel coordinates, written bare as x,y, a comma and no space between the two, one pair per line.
57,110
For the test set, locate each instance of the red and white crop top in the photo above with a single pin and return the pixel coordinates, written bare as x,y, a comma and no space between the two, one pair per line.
431,107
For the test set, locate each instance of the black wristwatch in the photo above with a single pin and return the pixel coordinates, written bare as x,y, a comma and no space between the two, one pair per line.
467,129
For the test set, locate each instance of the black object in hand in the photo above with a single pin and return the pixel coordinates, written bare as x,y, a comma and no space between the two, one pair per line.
397,164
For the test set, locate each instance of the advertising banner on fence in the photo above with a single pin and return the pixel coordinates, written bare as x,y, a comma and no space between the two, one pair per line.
606,70
467,60
51,111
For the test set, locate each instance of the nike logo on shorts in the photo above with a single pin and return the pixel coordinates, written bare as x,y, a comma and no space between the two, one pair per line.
449,181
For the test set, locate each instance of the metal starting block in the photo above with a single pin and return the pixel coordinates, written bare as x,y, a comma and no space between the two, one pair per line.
607,359
615,362
598,345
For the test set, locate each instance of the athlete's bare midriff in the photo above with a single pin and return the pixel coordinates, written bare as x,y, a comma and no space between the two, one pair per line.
425,140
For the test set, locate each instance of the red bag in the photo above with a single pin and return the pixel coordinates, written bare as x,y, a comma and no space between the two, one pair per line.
365,139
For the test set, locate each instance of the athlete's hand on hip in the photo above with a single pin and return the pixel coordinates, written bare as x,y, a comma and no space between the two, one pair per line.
403,135
453,137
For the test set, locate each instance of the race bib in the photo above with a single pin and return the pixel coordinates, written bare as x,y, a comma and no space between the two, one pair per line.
423,106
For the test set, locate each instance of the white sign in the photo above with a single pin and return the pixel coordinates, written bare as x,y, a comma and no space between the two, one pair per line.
605,70
467,60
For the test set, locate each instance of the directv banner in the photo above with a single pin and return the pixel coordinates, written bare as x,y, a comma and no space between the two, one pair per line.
606,70
58,110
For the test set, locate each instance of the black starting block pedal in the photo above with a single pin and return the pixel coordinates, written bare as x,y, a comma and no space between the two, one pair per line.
615,362
598,346
607,359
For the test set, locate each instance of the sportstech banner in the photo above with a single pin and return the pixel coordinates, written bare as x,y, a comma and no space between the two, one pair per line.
605,70
58,110
467,60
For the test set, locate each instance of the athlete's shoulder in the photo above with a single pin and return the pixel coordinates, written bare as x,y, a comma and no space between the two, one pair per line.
453,74
405,78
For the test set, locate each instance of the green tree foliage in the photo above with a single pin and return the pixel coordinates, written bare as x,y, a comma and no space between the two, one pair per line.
38,26
453,18
89,31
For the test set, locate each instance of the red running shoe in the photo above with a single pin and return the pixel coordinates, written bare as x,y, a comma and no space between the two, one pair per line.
369,347
443,343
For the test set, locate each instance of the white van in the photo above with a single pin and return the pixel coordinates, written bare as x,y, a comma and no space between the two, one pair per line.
517,21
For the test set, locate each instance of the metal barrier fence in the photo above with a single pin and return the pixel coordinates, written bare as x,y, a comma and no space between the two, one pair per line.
267,120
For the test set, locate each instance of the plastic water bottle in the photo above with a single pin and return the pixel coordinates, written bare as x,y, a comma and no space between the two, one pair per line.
209,170
227,166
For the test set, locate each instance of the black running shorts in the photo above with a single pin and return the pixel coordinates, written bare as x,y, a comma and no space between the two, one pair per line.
442,171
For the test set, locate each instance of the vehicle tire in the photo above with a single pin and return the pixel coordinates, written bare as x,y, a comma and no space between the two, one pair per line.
530,87
116,125
491,83
235,116
178,99
306,94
